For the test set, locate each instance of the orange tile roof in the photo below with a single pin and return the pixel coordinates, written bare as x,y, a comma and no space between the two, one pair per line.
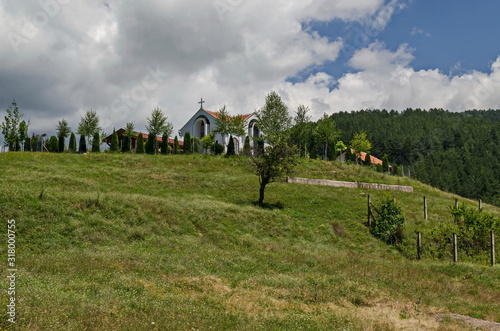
244,117
362,156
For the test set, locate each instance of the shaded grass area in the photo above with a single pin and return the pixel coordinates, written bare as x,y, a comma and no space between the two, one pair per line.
138,242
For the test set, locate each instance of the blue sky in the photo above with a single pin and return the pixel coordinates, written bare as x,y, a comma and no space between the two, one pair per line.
452,36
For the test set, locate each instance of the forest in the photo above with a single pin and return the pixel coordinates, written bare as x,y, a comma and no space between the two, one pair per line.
455,152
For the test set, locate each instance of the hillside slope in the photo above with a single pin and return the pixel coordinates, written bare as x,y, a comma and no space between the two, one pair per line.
138,242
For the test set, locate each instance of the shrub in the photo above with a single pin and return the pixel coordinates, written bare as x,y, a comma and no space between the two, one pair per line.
53,144
126,144
195,144
114,142
82,146
247,149
177,146
385,163
389,223
187,143
72,143
96,143
230,147
140,144
164,145
218,148
150,144
368,160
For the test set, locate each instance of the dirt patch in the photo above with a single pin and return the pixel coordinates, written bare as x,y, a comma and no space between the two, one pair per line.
475,322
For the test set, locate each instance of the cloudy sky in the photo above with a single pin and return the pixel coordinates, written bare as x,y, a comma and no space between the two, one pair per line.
60,58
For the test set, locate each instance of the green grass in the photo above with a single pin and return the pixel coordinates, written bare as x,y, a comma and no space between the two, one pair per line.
138,242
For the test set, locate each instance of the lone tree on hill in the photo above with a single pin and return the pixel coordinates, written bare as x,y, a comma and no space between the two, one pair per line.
158,124
278,159
89,125
273,119
63,131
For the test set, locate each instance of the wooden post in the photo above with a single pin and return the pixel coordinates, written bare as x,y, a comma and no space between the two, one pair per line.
492,238
455,250
425,208
480,204
369,211
456,203
419,245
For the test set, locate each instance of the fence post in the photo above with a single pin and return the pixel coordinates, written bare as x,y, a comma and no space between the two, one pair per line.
425,208
480,204
492,238
369,212
419,245
456,203
455,250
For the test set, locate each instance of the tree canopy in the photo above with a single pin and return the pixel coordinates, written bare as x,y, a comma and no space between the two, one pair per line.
273,119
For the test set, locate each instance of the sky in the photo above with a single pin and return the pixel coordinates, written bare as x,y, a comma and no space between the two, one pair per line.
61,58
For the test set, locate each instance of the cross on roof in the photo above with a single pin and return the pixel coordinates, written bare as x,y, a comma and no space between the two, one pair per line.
201,103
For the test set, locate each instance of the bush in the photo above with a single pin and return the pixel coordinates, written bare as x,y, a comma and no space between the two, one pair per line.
126,144
53,144
218,149
72,143
230,147
187,143
385,163
389,223
368,160
140,144
114,142
96,143
247,149
177,146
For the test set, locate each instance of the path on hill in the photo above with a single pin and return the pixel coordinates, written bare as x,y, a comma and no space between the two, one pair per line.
475,322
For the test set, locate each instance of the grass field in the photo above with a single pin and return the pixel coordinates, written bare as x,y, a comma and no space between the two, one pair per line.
139,242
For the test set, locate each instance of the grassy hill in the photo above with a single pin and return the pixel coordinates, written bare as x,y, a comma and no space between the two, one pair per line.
138,242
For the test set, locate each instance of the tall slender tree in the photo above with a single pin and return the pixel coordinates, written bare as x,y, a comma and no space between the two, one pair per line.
96,143
10,127
326,133
301,129
89,125
72,143
157,124
188,146
177,146
63,131
140,144
82,146
128,135
114,142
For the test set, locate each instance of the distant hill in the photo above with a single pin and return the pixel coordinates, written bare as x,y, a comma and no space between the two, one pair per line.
456,152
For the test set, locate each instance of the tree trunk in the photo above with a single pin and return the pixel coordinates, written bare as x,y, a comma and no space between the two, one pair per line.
263,184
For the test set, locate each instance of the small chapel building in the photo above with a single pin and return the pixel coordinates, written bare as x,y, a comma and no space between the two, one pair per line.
203,122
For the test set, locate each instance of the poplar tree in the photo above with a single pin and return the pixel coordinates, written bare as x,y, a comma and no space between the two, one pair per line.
230,147
187,143
140,144
82,144
72,143
96,143
63,131
114,142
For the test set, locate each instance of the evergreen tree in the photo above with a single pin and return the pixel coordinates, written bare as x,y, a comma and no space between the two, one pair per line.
89,125
195,144
53,144
27,145
274,119
114,142
82,145
368,160
72,143
188,147
158,124
177,146
230,147
247,149
129,133
96,143
140,144
126,144
385,163
164,144
63,131
150,144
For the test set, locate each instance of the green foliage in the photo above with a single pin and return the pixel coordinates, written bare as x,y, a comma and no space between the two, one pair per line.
27,145
218,149
273,164
158,124
188,146
96,143
389,223
63,131
195,144
53,145
126,144
150,144
165,146
368,160
273,119
227,124
207,142
140,144
301,131
247,149
10,127
72,143
177,146
230,147
326,133
89,125
114,143
82,146
385,163
360,143
23,131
